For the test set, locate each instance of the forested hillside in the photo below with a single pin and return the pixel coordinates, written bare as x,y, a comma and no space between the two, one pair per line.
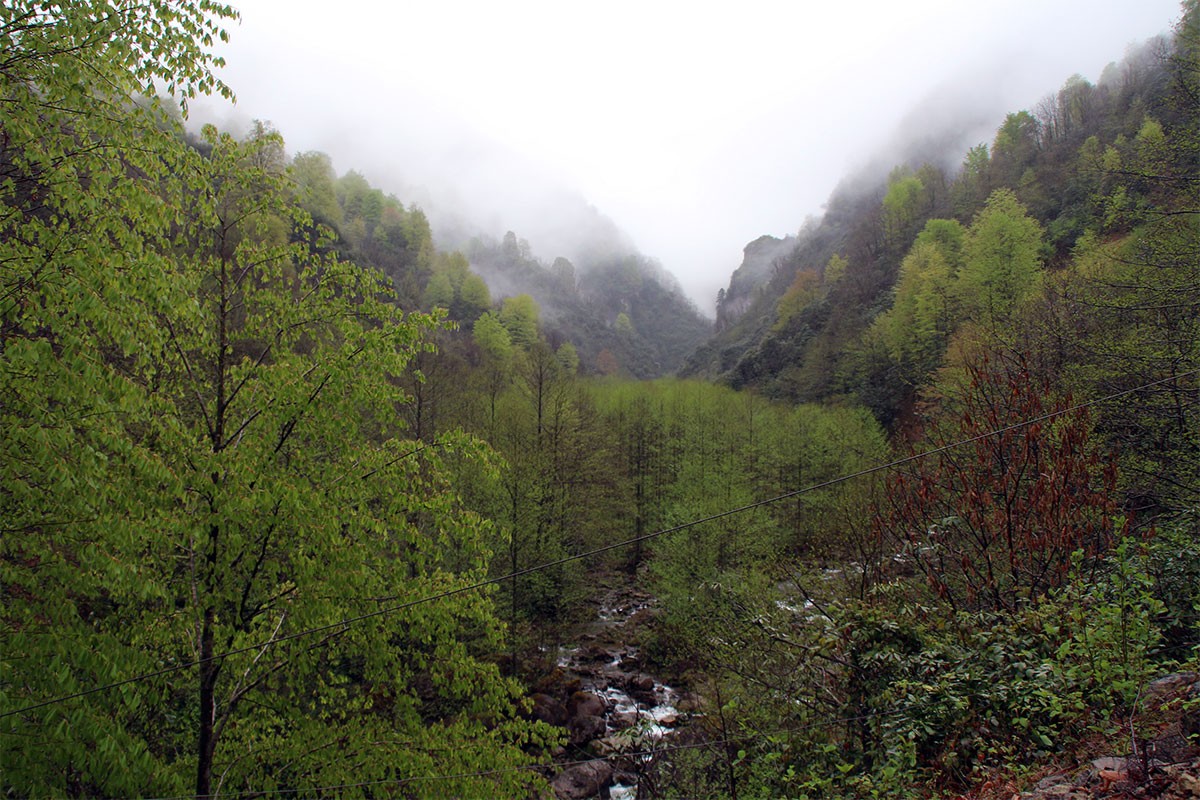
293,502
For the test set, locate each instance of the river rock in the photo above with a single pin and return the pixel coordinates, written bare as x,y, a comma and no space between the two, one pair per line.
586,704
641,688
594,652
608,745
623,720
548,709
642,683
584,729
641,618
558,683
589,779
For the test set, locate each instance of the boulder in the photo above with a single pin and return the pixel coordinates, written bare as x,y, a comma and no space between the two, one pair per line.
608,745
586,704
641,683
594,652
589,779
630,663
548,709
584,729
689,703
623,720
641,688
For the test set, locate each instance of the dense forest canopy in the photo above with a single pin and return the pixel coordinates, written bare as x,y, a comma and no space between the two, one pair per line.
294,501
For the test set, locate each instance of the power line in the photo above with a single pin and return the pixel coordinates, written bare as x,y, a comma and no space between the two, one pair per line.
345,623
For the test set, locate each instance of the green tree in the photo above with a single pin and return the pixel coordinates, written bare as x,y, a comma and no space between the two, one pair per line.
568,359
1014,148
803,292
974,182
519,316
496,348
316,188
904,204
439,293
1002,261
835,269
623,325
83,233
474,297
918,326
564,274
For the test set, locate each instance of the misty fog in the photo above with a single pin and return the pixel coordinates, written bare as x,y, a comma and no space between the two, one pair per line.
681,132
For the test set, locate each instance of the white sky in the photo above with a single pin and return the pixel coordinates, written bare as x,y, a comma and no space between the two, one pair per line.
696,127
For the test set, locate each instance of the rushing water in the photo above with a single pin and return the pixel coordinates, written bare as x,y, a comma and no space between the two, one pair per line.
640,709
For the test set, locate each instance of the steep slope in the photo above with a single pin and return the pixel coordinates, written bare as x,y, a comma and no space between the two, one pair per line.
794,331
622,312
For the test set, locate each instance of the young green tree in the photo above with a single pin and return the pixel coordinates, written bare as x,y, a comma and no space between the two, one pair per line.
1002,261
519,316
316,188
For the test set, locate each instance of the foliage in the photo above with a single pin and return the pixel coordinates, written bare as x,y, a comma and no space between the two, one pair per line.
1001,260
203,474
890,697
519,316
993,524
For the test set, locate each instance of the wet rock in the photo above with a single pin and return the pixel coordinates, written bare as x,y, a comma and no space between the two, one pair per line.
584,780
640,618
625,777
548,709
608,745
584,729
586,704
641,683
549,683
622,720
594,652
641,688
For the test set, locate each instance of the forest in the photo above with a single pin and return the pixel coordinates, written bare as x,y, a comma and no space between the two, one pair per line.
295,503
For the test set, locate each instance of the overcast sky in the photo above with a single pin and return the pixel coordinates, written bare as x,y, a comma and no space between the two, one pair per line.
695,127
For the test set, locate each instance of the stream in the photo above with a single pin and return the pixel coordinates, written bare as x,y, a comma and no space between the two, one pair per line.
612,705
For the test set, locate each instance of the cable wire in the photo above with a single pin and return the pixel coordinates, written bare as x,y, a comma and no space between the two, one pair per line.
348,621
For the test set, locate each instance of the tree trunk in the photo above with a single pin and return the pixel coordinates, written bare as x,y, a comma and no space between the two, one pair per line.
207,743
